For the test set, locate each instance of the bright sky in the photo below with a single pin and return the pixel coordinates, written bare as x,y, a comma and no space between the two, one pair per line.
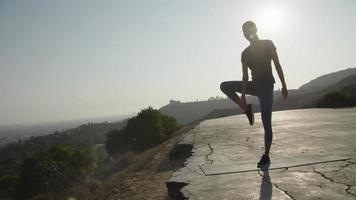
62,60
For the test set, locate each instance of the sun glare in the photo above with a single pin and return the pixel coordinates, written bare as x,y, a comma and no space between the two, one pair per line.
271,18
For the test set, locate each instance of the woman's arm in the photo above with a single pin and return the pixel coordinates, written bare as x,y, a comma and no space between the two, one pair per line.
280,73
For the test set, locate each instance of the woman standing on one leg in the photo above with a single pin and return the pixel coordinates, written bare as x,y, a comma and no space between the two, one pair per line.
257,57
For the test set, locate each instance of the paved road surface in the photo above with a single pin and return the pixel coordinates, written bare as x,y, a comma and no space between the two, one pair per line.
300,136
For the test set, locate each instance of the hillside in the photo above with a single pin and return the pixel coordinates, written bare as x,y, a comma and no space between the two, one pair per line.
326,80
188,112
86,135
146,174
346,82
80,159
13,133
135,175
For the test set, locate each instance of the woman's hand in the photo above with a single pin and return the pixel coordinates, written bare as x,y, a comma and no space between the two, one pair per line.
243,101
284,93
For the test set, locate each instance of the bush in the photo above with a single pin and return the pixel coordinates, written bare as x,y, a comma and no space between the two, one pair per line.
7,184
52,170
148,129
117,141
335,100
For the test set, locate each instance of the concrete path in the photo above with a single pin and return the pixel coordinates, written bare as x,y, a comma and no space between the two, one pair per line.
300,136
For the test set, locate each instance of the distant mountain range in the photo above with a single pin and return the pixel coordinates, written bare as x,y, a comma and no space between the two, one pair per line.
13,133
303,97
187,112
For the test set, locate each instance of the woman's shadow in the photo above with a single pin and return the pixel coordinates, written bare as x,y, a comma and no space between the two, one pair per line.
266,186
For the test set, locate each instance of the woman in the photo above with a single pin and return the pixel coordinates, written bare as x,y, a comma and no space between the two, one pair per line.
257,56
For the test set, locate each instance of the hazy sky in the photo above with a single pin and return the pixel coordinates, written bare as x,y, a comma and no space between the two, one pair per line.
62,60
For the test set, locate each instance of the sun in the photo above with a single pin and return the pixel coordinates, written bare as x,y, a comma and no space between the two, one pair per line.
271,18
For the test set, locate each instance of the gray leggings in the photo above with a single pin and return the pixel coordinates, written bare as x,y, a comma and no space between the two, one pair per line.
265,96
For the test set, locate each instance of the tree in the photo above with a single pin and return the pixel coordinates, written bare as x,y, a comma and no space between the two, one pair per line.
173,101
149,128
117,141
52,170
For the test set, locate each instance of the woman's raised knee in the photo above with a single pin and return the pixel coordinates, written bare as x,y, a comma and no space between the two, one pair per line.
223,86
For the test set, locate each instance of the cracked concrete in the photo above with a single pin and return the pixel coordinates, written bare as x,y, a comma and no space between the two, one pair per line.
230,140
348,186
267,180
211,152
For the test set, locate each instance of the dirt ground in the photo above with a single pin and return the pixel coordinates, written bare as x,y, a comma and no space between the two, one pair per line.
146,176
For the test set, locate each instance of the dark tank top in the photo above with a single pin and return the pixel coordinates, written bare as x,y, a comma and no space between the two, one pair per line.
258,59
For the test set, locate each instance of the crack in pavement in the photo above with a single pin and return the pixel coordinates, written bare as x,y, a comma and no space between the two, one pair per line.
211,152
351,162
347,189
348,186
276,186
306,171
348,163
284,191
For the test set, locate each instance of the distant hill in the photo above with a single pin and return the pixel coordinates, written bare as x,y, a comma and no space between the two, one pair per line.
13,133
188,112
326,80
346,82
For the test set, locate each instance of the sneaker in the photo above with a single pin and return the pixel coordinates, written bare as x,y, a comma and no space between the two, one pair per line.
264,162
249,114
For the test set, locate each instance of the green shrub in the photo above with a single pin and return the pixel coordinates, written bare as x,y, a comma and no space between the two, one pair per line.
335,100
116,141
52,170
149,128
7,184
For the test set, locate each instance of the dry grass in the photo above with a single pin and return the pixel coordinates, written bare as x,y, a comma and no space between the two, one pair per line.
144,177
